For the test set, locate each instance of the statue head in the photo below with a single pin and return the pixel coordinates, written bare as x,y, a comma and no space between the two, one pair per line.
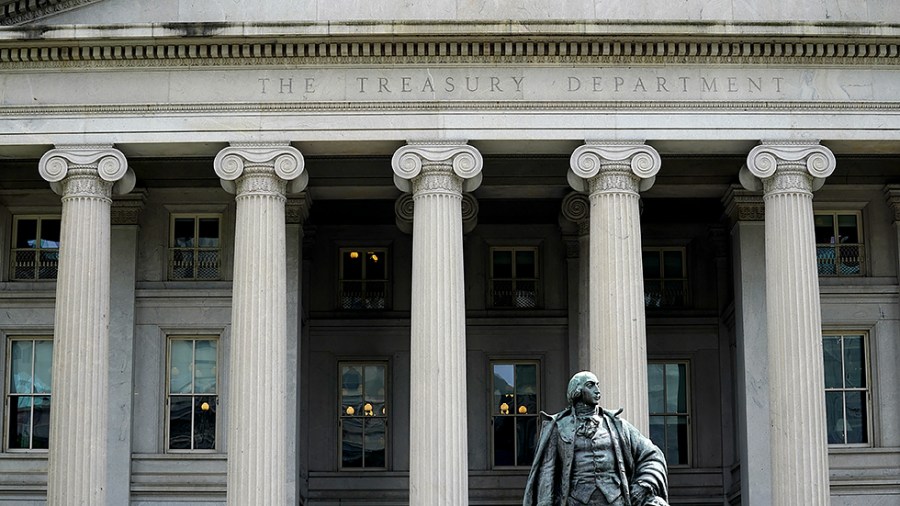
583,387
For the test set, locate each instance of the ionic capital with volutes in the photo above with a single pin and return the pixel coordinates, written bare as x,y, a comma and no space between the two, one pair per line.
576,208
779,166
620,166
404,208
437,166
91,171
261,169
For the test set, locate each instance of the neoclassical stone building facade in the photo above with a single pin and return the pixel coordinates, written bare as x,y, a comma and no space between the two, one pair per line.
345,252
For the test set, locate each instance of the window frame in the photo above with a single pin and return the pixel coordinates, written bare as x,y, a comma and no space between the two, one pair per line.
490,411
689,444
685,279
386,253
171,248
14,239
861,244
537,280
388,401
867,376
167,405
7,394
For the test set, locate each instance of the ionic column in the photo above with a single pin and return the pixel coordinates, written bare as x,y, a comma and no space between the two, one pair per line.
437,174
788,174
613,174
576,208
86,177
259,175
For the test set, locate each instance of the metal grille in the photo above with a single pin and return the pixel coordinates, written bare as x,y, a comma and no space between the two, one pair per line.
194,263
841,259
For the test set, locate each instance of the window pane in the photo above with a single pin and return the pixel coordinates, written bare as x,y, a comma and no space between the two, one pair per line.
854,360
673,293
676,439
525,264
652,267
504,441
20,372
374,389
676,394
832,356
504,381
674,264
655,377
40,437
658,431
526,294
204,422
856,417
181,367
834,417
847,228
50,233
502,263
208,232
183,232
526,435
351,391
43,358
374,443
352,442
375,265
49,264
526,389
180,423
352,265
205,366
19,435
26,234
824,228
24,263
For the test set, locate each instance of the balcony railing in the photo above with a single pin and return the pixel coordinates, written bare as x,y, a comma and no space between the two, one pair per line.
363,295
30,264
665,293
194,263
846,259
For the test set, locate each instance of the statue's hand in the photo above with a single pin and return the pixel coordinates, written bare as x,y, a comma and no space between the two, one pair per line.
641,493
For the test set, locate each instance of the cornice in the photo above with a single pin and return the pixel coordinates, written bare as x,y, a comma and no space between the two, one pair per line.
29,53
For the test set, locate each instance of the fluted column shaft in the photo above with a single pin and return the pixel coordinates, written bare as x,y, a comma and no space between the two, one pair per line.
84,176
789,173
436,175
257,432
612,174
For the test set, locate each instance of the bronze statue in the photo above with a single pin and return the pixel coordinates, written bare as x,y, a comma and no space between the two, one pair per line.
586,455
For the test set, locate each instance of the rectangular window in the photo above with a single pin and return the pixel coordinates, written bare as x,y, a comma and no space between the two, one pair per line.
363,415
839,245
192,393
363,282
514,278
28,393
514,412
665,277
195,246
669,410
846,389
35,252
